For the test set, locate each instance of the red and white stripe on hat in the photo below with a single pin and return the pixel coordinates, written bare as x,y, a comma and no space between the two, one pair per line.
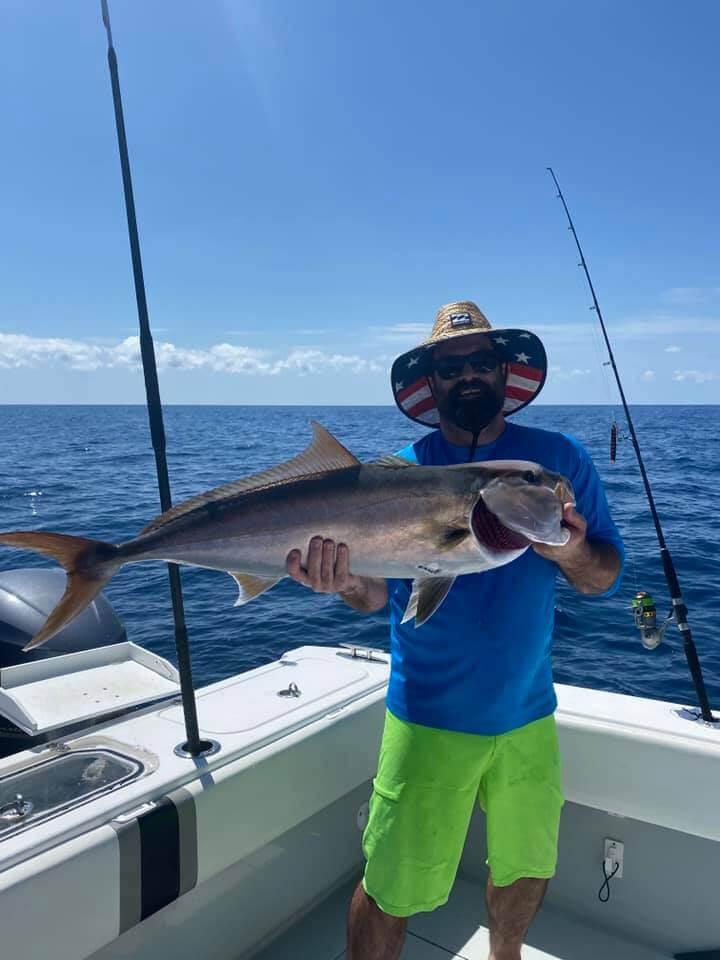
417,401
521,385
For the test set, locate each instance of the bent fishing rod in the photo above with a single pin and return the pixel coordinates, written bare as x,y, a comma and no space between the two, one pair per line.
194,746
679,610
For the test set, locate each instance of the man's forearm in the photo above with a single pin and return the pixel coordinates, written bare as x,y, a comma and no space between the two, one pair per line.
368,594
594,568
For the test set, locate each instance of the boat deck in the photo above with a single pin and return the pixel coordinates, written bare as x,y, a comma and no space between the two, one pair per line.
456,930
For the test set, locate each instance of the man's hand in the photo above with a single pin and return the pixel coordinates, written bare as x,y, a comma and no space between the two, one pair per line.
328,571
327,568
577,525
591,566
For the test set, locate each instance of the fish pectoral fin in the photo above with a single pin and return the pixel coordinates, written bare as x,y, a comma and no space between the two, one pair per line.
452,537
427,595
251,586
391,460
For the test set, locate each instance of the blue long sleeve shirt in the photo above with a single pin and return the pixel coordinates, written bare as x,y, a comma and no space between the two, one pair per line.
482,662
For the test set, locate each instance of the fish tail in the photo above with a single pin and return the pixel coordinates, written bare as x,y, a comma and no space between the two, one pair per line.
90,565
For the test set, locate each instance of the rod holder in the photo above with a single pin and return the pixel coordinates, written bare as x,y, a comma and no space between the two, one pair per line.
207,749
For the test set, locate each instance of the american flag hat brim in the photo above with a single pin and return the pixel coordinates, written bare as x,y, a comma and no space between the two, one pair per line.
522,350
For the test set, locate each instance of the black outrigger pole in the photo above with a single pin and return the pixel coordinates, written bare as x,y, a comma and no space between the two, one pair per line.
194,746
678,605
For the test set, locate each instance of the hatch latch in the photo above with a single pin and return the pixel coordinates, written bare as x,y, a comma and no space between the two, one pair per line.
16,810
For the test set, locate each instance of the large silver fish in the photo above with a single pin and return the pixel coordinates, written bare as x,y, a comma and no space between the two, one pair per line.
428,524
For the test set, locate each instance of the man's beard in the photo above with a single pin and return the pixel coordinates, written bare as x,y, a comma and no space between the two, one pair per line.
471,413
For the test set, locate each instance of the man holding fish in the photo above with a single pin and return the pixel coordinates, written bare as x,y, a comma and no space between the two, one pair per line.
463,534
470,704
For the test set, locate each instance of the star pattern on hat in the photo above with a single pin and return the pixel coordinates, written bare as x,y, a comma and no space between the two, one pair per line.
526,372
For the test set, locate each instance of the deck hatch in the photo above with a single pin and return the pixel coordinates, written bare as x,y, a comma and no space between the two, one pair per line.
61,783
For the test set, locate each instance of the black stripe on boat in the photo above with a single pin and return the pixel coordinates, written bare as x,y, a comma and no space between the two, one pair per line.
158,857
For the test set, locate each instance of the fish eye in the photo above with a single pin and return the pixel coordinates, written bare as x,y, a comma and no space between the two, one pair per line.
530,477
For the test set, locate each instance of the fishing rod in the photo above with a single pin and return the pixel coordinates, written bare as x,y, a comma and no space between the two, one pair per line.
679,610
194,747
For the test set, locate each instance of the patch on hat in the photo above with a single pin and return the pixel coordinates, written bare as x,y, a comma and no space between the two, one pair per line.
458,320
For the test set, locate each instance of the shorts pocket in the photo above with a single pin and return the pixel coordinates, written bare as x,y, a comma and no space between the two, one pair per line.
392,793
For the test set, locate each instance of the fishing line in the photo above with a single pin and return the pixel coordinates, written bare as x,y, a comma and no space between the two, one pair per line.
603,364
678,605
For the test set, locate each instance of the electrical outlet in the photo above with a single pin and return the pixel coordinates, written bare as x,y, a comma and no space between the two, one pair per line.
614,850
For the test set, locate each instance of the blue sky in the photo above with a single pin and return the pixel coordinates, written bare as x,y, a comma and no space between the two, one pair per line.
314,179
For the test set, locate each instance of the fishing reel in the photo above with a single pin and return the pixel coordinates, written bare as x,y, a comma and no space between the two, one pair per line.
645,616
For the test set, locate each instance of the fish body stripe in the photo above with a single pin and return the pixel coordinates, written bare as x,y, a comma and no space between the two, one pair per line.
158,857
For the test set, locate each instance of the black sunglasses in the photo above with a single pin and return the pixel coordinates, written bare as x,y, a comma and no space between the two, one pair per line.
451,367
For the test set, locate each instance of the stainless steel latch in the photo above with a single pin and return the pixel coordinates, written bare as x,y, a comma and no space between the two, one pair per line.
364,653
16,809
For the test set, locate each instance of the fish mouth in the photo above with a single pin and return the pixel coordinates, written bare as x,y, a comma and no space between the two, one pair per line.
491,532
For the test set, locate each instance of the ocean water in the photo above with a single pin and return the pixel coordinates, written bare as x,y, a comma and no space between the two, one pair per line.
90,470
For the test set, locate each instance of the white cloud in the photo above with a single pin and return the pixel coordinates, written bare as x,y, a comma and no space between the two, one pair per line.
559,373
410,332
304,361
18,350
682,296
21,351
277,331
648,375
584,332
673,349
697,376
629,328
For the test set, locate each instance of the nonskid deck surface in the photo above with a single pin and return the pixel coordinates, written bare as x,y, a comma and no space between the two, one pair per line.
457,930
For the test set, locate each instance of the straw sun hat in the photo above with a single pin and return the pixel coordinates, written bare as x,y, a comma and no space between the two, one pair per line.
522,350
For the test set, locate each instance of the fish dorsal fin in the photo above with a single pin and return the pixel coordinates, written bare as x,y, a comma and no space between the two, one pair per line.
251,586
391,460
427,595
324,454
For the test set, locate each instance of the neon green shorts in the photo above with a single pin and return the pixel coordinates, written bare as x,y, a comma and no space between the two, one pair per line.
424,795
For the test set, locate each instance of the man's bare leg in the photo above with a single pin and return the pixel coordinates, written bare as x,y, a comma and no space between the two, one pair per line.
372,934
511,910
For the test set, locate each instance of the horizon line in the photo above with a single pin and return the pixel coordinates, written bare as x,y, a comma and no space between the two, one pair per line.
205,403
